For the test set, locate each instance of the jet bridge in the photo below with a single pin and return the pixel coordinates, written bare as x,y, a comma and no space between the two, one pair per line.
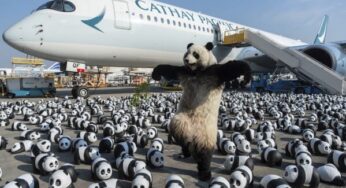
305,67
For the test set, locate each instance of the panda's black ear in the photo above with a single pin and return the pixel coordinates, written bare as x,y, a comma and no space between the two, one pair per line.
209,46
189,45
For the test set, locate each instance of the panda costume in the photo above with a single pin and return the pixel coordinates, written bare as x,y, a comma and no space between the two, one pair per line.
194,125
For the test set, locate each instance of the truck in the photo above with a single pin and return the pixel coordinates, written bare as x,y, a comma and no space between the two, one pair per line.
30,87
268,83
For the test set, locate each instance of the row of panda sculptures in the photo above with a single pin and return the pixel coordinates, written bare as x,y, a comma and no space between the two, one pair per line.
245,119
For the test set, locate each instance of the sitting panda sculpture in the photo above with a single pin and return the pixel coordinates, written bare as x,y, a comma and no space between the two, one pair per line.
194,126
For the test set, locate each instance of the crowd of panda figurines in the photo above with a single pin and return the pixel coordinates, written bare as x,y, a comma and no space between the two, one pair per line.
109,132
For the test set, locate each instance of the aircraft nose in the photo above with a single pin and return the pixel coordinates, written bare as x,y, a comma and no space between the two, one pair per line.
12,36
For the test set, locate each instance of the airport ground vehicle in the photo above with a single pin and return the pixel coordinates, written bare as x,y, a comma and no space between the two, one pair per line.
265,83
30,87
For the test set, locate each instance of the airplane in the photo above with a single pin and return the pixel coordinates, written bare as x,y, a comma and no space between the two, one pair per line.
143,33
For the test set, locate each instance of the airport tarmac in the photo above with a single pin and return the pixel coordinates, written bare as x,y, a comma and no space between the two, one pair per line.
15,165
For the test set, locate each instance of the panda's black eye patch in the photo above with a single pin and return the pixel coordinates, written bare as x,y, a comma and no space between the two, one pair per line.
196,55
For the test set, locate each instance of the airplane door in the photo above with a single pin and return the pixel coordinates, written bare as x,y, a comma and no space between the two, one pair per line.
221,32
122,14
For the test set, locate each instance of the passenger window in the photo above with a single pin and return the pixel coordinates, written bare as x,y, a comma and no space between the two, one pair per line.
168,21
194,27
148,17
141,16
190,26
174,22
185,25
155,19
199,28
162,20
179,23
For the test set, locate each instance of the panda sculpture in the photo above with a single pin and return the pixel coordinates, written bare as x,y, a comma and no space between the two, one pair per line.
89,137
202,81
234,161
302,175
106,145
226,146
45,163
4,120
128,147
338,158
154,158
158,144
174,181
273,181
271,156
142,179
42,146
101,169
319,147
86,154
19,147
128,168
3,143
141,139
30,135
241,177
26,180
77,143
19,126
219,182
64,177
329,174
65,143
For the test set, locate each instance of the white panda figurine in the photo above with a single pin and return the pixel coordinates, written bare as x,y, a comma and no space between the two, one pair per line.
329,174
45,163
234,161
77,143
65,143
271,156
243,148
226,146
308,134
241,177
23,146
30,135
141,139
152,133
142,179
89,137
303,158
154,158
273,181
101,169
119,130
219,182
106,145
319,147
3,143
86,154
302,175
42,146
158,144
250,134
128,147
111,183
128,167
64,177
4,120
108,130
19,126
174,181
26,180
54,134
338,158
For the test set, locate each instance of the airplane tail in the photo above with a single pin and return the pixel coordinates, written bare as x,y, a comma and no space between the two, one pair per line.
54,68
322,33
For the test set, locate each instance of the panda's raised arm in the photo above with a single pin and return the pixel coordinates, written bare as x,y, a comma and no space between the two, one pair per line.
234,69
169,72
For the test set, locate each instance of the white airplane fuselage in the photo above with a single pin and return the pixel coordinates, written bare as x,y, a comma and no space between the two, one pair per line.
123,33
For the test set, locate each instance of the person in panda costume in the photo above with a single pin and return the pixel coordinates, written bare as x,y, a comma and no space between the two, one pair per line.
45,163
194,125
23,181
64,177
302,175
86,154
241,177
101,169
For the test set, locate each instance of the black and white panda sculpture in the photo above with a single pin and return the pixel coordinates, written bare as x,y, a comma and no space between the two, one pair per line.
19,126
19,147
64,177
154,158
106,145
141,139
45,163
226,146
3,143
128,147
101,169
142,179
89,137
241,177
128,168
271,156
219,182
152,133
77,143
302,175
86,154
319,147
329,174
158,144
23,181
30,135
4,120
338,158
42,146
273,181
174,181
243,147
308,134
65,143
234,161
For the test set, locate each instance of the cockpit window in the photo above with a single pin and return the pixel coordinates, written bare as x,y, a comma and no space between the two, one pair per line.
59,5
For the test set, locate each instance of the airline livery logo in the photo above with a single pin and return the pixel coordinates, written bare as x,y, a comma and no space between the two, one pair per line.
94,21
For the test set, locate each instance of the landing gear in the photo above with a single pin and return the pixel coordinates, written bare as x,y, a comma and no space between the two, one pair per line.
80,91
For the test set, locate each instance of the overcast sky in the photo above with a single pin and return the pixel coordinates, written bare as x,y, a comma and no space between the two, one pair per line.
299,19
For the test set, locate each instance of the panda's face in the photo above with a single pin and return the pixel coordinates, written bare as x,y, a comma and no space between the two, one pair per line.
244,146
157,145
157,159
59,179
308,135
16,147
230,147
64,144
229,162
291,173
324,148
199,57
3,115
91,137
34,135
22,127
152,133
140,182
12,184
44,145
94,153
139,166
303,159
238,180
262,145
104,171
50,164
81,143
